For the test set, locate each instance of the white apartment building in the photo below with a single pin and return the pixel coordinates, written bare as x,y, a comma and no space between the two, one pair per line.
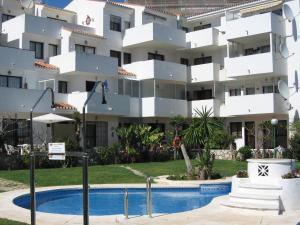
158,66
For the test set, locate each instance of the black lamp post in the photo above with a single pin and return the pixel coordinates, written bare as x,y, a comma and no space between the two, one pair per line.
85,157
32,156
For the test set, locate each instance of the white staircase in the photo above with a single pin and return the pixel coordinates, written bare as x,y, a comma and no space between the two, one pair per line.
255,197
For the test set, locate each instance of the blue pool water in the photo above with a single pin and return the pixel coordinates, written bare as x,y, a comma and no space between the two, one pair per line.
111,201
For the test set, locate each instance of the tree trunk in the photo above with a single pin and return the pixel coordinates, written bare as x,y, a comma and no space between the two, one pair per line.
189,167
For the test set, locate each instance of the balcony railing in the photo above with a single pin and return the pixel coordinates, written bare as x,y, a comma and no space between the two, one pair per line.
205,72
154,34
158,69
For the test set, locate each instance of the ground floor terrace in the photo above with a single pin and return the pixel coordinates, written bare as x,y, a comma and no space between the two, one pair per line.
254,131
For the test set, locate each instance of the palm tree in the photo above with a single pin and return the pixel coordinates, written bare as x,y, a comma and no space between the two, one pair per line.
178,122
198,134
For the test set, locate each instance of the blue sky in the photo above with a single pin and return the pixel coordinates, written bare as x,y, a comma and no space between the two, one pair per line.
63,3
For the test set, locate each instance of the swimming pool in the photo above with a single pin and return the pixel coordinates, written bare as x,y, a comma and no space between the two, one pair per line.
110,201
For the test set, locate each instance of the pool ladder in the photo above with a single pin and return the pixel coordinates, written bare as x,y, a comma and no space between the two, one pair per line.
149,199
149,196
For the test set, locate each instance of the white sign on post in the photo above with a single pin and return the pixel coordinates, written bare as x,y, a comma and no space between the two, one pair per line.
57,151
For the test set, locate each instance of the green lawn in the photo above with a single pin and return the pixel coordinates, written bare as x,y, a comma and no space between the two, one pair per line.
9,222
115,174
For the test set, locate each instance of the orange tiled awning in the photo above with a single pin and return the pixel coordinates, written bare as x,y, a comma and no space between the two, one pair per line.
64,106
42,64
123,72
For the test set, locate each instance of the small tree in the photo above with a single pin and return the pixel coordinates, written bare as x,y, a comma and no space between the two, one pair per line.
295,140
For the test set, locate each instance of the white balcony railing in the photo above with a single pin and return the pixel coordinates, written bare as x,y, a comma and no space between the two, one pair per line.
38,26
205,72
209,104
264,63
154,34
254,104
162,107
202,38
13,58
86,64
253,25
158,69
117,105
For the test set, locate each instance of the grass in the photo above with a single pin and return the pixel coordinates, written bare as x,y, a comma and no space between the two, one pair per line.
73,176
10,222
115,174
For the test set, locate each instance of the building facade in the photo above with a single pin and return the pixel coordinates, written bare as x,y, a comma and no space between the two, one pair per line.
158,65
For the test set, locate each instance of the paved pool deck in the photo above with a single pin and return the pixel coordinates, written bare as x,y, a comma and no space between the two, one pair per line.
212,214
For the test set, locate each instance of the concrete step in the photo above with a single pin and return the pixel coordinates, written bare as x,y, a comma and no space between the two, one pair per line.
260,189
252,206
254,196
260,186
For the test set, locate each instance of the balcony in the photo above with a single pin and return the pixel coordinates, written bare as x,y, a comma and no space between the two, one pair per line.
17,59
163,107
205,72
85,64
117,105
38,26
158,69
154,35
22,100
253,25
203,38
213,104
264,63
254,105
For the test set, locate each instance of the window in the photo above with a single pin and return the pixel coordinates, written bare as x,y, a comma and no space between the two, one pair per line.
185,29
6,17
127,25
116,54
235,92
202,27
236,129
250,134
10,81
250,91
184,61
85,49
62,87
120,87
91,135
18,131
52,50
156,56
202,94
115,23
203,60
38,48
126,58
265,48
89,85
132,87
268,89
135,86
102,135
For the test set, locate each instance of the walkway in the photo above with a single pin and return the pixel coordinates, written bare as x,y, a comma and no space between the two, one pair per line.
8,185
212,214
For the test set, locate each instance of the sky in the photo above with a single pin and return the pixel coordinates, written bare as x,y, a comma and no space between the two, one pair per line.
63,3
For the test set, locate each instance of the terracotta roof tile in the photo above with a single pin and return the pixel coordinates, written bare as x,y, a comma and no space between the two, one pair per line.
123,72
64,106
44,65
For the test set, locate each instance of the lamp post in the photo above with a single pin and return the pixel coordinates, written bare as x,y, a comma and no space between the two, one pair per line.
85,157
274,123
32,156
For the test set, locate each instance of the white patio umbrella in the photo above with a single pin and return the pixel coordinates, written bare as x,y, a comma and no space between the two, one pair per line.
50,119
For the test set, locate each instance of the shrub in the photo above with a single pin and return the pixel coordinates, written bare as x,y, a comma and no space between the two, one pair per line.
245,153
291,175
105,155
242,174
295,145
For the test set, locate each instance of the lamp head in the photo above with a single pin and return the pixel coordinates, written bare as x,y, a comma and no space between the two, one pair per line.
274,122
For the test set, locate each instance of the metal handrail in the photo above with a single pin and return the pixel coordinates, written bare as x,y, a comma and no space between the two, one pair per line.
126,203
149,196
